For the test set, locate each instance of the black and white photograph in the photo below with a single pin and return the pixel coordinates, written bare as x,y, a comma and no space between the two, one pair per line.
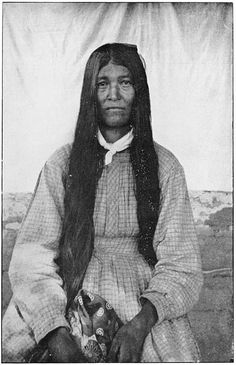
117,182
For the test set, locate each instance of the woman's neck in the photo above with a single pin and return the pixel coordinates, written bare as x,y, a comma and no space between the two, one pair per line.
112,135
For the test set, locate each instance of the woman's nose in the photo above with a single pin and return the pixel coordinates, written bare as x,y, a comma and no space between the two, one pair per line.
114,93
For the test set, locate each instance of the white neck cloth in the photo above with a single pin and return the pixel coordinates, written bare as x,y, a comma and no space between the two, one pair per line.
120,145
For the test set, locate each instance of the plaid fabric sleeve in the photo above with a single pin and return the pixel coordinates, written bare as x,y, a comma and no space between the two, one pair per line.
37,287
177,278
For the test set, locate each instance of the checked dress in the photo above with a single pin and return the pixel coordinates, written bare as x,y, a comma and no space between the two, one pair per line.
117,271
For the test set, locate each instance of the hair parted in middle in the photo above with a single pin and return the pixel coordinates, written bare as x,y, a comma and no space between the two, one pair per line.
86,164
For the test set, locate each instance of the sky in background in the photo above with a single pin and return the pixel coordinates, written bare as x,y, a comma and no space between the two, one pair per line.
187,49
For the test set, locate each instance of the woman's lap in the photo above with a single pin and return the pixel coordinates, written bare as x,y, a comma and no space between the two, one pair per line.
169,341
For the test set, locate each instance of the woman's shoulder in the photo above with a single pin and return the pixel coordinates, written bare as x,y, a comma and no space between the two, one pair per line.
167,161
60,157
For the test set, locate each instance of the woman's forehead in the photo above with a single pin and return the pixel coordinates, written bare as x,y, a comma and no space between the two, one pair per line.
112,69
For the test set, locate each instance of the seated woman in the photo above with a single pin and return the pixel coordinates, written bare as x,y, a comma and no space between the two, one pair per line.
111,215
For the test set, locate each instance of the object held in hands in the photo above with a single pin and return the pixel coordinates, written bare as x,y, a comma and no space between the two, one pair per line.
93,323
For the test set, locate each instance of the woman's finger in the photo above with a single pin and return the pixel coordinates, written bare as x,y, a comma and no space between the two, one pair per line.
128,352
124,355
113,353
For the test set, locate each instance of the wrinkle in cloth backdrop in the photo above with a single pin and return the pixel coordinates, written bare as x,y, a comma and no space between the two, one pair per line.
187,48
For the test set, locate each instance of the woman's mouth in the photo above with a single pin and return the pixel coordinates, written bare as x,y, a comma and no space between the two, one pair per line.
114,108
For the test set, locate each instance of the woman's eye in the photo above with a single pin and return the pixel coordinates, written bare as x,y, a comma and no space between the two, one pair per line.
126,82
102,84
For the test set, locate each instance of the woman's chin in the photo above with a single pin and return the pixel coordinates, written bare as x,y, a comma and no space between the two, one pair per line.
115,123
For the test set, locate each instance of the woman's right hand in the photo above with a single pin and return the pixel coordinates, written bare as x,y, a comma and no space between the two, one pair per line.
62,347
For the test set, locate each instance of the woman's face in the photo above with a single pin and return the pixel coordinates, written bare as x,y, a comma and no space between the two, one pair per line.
115,95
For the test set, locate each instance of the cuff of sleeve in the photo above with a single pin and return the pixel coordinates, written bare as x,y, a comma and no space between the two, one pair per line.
46,324
159,302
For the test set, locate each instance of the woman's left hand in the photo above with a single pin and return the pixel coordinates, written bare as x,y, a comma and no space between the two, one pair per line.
127,344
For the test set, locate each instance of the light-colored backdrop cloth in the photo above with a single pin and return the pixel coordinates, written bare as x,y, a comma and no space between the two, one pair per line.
187,47
116,271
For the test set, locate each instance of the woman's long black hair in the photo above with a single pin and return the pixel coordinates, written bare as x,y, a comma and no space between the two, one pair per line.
86,164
